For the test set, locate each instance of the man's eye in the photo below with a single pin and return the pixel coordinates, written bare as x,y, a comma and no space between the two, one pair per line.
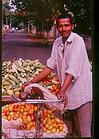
66,25
60,26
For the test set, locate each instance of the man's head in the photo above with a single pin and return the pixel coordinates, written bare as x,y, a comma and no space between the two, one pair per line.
65,24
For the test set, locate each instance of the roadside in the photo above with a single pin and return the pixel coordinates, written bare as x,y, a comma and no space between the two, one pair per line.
35,38
43,41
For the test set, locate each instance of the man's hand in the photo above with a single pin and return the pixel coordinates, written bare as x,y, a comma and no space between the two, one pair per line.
23,96
62,96
24,85
62,93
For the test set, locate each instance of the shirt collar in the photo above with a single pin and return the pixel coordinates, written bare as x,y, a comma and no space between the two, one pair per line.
70,38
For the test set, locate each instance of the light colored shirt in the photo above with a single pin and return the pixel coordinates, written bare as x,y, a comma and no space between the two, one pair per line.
72,58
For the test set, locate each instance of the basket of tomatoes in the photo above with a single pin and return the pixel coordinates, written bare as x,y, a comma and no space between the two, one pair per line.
19,120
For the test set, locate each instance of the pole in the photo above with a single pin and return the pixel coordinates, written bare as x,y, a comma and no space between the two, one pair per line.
6,20
28,27
54,30
10,22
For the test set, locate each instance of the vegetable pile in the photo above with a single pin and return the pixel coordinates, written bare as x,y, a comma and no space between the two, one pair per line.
17,72
14,74
27,112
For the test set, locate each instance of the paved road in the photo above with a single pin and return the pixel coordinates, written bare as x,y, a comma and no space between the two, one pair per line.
20,45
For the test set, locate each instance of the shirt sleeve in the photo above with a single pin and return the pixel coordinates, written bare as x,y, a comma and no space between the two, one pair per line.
51,62
76,60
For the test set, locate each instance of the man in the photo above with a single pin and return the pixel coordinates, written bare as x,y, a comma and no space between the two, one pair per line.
70,57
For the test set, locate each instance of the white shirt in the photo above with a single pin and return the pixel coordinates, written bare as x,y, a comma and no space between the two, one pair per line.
74,61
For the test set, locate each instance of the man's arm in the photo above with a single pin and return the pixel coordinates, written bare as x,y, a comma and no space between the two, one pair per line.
62,93
67,82
44,73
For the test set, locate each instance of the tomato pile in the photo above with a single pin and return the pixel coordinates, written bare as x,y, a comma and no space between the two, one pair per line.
52,124
52,84
27,112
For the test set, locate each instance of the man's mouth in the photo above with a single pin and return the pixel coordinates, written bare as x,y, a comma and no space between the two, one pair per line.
65,33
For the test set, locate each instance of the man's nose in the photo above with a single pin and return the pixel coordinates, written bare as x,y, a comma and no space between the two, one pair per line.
63,28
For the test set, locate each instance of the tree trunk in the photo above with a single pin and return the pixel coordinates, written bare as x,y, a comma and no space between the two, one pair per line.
42,32
6,20
10,22
54,31
28,27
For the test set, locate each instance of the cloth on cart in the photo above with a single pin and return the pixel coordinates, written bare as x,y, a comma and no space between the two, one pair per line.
10,130
14,129
47,96
11,124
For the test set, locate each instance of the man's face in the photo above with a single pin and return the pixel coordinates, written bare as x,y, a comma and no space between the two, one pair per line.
65,27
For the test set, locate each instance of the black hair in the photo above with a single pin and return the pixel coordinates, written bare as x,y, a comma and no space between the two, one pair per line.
66,14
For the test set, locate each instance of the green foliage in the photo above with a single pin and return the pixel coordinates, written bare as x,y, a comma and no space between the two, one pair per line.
82,10
41,12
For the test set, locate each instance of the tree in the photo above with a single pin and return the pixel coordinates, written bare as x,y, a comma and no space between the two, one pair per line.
41,11
82,10
5,12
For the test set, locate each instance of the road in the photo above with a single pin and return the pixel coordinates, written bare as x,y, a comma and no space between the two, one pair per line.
20,45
